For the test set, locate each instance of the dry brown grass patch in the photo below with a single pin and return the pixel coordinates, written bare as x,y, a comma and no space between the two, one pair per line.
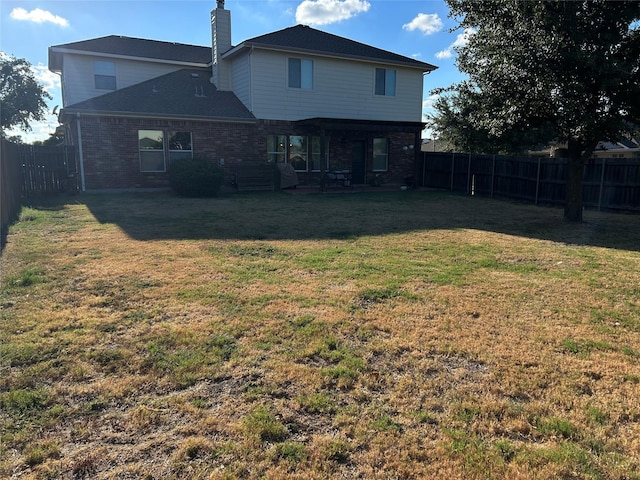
414,335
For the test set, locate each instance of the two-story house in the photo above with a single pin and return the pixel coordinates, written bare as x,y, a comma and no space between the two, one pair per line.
299,95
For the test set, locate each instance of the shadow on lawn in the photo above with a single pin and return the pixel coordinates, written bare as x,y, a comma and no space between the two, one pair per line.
275,215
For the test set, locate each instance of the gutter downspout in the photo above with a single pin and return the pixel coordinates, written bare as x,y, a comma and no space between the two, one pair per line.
82,184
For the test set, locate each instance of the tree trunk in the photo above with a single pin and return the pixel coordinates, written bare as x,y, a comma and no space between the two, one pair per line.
575,173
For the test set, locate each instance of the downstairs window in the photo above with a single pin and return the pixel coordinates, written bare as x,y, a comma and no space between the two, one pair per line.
151,147
300,151
154,150
380,154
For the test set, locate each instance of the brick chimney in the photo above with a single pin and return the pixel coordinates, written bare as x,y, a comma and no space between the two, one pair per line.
221,42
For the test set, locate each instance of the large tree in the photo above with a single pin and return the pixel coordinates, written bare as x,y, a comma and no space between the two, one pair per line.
22,98
564,72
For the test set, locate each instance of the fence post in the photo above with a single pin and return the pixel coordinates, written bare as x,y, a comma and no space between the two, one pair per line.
538,180
604,162
453,164
493,174
469,176
27,173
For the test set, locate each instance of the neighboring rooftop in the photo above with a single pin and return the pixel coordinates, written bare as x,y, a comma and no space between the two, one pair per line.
133,48
185,93
306,39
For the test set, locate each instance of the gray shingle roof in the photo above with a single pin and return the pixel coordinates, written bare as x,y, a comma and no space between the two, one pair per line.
184,93
299,38
139,47
304,38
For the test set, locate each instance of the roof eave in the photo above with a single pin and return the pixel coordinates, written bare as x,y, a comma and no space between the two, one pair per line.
352,123
54,61
424,67
160,116
73,51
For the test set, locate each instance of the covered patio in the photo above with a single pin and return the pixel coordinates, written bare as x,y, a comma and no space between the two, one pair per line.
362,152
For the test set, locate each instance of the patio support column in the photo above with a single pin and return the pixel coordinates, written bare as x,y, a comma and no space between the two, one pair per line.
322,160
80,154
417,141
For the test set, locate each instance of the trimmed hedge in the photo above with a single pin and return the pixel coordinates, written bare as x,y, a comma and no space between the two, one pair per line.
196,177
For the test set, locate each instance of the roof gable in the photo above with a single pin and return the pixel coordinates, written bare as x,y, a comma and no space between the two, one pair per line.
306,39
141,48
185,93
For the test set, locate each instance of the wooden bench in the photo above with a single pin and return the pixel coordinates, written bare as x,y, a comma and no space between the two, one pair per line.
255,177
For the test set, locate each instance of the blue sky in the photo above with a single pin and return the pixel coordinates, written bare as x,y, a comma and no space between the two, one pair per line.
415,28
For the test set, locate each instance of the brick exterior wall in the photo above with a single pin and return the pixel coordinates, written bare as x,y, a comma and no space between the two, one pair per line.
112,160
111,153
401,163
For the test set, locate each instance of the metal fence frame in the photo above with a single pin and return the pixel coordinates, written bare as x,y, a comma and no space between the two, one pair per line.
609,183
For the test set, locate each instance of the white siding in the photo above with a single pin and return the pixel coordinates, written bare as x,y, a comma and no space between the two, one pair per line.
342,89
241,79
79,84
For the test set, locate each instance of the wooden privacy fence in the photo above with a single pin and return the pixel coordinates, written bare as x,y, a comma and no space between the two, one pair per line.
48,169
30,169
10,184
609,184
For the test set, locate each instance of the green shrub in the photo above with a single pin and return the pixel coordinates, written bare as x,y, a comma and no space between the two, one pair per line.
196,177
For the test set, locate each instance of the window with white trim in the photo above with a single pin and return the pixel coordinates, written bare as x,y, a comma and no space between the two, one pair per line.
299,152
385,82
300,73
302,152
151,146
276,148
104,74
180,146
380,154
316,143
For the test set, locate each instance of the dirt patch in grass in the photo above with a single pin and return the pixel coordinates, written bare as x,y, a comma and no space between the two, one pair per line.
391,335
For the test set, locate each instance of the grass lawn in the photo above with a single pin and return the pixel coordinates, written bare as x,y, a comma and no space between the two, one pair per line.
403,335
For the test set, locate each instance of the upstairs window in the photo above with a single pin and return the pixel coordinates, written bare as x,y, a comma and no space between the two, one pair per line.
385,82
104,74
300,73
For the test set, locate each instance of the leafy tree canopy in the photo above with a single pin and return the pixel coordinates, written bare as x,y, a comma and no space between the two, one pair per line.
544,71
22,98
52,141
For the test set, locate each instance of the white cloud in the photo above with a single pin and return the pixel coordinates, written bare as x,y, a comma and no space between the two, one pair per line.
426,23
461,40
49,80
427,104
38,16
323,12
